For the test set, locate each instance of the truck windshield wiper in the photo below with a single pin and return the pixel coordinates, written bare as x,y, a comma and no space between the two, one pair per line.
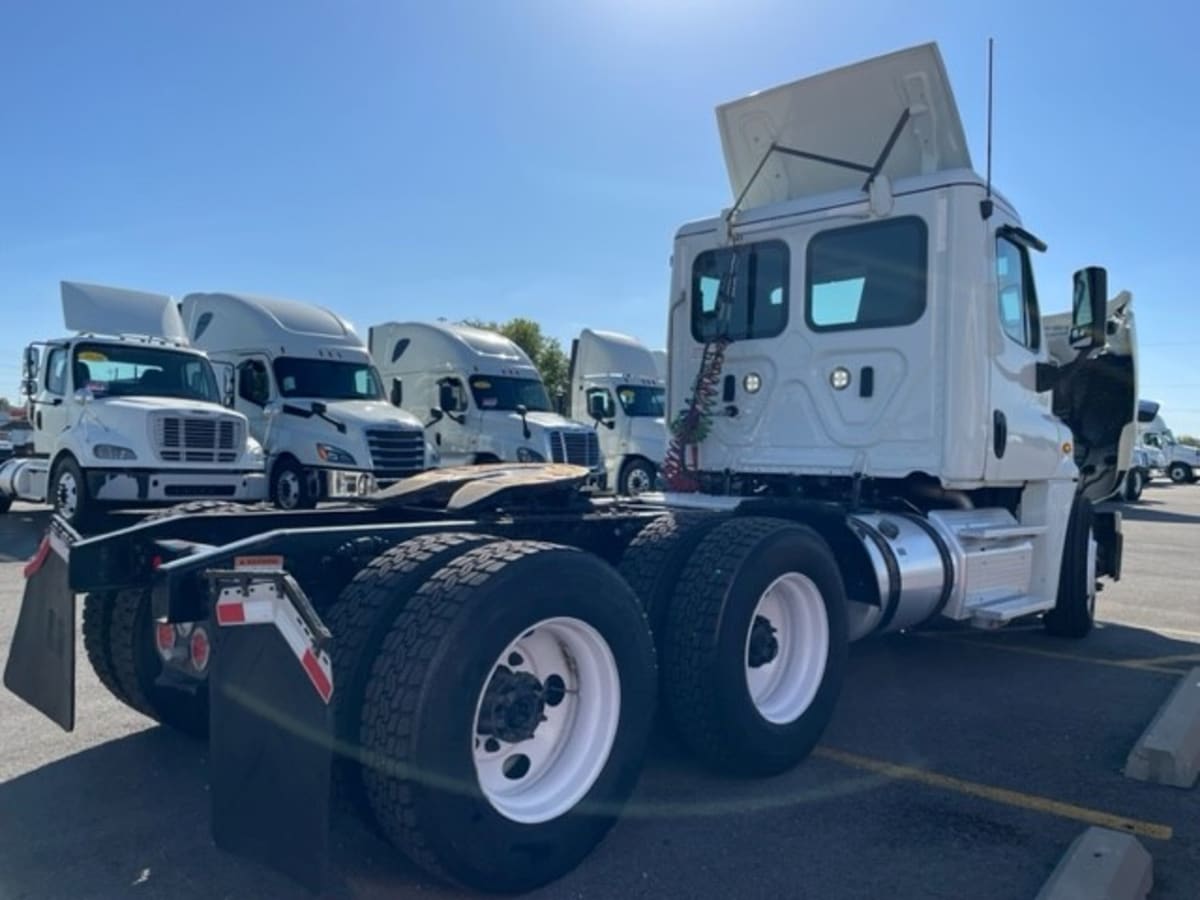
318,410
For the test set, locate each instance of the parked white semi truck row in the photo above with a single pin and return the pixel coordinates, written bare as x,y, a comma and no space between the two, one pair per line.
1165,455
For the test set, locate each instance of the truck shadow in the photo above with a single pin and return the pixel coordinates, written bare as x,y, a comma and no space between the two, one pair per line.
21,529
130,816
1145,512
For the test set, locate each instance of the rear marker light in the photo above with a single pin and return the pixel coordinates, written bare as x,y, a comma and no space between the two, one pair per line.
199,649
164,637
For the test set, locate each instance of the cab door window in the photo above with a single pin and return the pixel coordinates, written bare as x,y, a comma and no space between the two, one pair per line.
253,383
56,371
1016,295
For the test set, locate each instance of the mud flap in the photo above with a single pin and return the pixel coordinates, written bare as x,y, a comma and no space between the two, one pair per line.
41,660
271,725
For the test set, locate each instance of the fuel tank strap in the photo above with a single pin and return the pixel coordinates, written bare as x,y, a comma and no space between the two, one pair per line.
947,561
892,603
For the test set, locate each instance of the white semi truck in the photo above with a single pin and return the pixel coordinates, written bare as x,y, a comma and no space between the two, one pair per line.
313,398
615,387
479,395
126,414
871,434
1177,461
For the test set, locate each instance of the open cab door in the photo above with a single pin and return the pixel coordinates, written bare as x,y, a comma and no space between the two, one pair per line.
98,309
1095,388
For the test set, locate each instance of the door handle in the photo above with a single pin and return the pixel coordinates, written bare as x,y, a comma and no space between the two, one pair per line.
866,381
999,433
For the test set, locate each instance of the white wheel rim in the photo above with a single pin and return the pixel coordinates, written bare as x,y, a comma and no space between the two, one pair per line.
1093,550
784,686
540,777
288,489
638,481
67,494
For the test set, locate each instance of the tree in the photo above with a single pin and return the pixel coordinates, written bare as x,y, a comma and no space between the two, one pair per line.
5,406
546,352
1189,439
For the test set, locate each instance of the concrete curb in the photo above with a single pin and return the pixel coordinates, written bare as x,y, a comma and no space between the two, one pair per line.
1101,864
1169,750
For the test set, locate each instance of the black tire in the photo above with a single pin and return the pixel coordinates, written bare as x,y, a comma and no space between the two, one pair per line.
656,556
127,663
194,507
1180,473
1135,483
705,644
1075,609
637,476
5,504
291,486
82,516
359,621
424,690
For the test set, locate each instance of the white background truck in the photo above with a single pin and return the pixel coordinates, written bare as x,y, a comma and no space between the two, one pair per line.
480,396
127,421
306,383
615,387
1177,461
896,445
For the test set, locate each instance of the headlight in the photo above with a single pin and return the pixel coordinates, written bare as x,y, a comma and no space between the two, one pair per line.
527,454
331,454
433,456
112,451
253,448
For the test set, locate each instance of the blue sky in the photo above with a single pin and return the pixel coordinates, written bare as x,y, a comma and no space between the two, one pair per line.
397,160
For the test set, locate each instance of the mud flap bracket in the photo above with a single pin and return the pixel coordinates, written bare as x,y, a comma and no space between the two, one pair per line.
271,724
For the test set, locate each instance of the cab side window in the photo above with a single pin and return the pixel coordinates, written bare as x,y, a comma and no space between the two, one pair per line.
56,371
1016,295
253,385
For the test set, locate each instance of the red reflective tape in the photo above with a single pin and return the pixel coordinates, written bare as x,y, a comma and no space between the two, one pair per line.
231,614
39,558
317,675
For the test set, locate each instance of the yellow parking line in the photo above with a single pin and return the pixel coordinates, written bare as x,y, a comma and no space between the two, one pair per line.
1163,660
1135,665
1003,796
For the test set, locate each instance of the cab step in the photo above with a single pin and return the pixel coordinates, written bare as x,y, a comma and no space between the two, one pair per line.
1001,612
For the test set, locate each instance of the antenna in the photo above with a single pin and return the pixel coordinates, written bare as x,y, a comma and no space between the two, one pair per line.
985,207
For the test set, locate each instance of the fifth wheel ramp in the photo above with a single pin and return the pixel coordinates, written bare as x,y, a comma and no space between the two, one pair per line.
1101,864
1169,750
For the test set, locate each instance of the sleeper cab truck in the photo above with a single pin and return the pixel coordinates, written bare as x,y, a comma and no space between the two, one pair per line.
615,387
126,414
479,396
1177,461
304,380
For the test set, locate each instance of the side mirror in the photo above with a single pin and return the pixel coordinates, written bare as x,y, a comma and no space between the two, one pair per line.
31,362
272,408
29,386
397,394
448,397
1089,310
436,414
598,406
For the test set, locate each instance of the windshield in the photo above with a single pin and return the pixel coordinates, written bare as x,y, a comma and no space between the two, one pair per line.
509,393
131,370
327,379
639,400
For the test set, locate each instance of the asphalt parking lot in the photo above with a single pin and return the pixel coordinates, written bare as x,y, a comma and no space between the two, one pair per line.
959,764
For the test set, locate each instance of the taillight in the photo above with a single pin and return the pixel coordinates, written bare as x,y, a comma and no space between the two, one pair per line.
199,649
164,637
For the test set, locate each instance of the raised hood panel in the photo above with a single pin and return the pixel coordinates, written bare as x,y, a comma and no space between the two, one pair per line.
847,114
107,310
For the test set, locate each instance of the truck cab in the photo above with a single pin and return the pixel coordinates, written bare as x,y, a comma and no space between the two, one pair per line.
127,420
1177,461
616,388
863,327
480,397
313,398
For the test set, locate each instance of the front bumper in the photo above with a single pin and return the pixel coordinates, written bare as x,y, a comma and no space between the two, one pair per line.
128,486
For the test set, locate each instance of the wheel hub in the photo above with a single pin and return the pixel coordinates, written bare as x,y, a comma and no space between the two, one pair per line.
513,706
764,645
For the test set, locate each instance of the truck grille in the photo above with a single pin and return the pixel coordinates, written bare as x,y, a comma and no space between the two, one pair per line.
579,448
396,452
196,439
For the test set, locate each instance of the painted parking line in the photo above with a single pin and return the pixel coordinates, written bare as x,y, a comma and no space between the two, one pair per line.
1009,647
1003,796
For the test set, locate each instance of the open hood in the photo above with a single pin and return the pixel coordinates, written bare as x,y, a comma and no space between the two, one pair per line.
847,114
114,311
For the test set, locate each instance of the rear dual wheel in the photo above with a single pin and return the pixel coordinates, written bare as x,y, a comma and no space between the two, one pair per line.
506,700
